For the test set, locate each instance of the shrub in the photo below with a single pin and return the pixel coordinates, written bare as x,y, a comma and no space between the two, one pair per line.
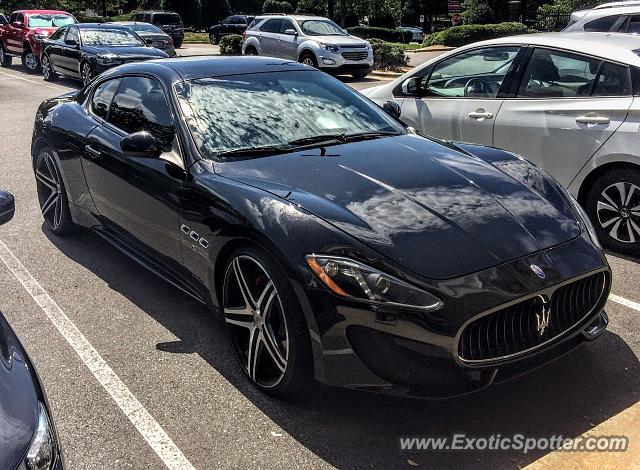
387,56
468,33
385,34
276,6
478,12
231,44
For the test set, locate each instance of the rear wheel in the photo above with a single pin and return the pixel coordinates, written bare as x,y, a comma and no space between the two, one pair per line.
307,58
48,73
52,195
250,50
214,39
359,75
5,59
177,43
614,207
264,323
30,61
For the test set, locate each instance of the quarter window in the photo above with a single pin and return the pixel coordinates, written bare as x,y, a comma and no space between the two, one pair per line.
140,105
102,97
614,80
474,74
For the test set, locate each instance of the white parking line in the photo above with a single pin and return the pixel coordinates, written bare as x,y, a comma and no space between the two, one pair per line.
17,77
146,425
625,302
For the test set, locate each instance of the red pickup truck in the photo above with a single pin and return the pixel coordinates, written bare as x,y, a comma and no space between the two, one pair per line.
22,35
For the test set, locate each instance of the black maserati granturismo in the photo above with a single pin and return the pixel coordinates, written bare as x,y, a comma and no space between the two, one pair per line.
336,243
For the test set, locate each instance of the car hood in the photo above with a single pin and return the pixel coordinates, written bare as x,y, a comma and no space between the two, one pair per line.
344,41
125,51
18,398
434,209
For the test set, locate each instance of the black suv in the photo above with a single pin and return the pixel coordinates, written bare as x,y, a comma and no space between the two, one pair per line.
235,24
168,21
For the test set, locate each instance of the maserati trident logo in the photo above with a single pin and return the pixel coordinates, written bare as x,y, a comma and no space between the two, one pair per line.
538,270
543,319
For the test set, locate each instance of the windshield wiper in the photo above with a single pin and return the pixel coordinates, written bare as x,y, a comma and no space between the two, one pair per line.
369,135
253,151
325,139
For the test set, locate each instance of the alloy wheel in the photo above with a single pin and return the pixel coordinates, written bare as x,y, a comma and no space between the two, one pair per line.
30,61
618,211
256,321
86,74
308,61
46,67
49,185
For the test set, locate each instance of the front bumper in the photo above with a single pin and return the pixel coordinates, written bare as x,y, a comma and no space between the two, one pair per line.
335,63
416,354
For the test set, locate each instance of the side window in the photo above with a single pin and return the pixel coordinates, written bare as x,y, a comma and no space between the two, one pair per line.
614,80
13,18
634,25
286,24
555,74
227,20
271,26
474,74
148,18
73,34
140,105
58,34
603,24
102,97
20,18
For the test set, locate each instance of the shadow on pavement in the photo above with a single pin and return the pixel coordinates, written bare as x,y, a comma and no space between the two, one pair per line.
356,430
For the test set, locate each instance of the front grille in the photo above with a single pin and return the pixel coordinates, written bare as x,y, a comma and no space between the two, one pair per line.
520,327
355,55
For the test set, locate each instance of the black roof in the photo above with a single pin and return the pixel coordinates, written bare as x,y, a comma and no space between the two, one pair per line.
99,26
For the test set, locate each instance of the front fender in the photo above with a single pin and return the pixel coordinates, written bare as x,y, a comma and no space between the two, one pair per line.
311,46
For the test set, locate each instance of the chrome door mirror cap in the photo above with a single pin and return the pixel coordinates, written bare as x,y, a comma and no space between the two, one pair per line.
411,86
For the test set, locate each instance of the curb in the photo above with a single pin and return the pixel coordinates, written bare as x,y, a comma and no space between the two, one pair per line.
382,74
433,49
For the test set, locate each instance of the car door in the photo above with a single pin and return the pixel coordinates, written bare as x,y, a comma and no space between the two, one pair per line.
459,97
269,36
138,198
53,46
288,43
14,40
566,107
69,55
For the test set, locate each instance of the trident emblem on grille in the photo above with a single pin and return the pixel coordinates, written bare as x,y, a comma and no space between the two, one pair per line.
543,319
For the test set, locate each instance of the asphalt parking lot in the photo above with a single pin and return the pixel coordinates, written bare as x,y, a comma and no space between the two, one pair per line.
174,358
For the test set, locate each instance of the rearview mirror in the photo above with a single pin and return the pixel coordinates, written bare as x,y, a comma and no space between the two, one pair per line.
495,56
7,207
392,109
140,144
411,86
291,32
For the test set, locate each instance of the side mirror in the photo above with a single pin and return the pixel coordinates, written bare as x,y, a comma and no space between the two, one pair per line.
7,207
291,32
140,144
71,42
411,86
17,24
392,109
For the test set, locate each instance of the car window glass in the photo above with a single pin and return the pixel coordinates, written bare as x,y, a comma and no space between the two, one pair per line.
58,34
614,80
254,23
601,24
20,18
474,74
551,74
286,24
634,25
13,18
72,34
271,26
237,20
140,105
227,20
102,97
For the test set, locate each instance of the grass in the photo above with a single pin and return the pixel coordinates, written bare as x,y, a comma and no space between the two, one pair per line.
408,47
196,37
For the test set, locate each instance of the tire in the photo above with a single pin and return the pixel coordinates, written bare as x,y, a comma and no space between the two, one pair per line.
48,73
309,59
5,59
30,61
177,43
359,75
613,205
214,39
52,196
250,50
86,73
275,330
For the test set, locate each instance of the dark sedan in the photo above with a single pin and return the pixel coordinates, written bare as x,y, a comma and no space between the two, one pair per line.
235,24
152,35
86,50
334,242
28,439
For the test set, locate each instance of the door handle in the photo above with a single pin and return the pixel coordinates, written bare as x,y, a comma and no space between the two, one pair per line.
480,115
92,153
592,120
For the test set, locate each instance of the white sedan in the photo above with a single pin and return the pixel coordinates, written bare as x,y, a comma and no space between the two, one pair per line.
569,102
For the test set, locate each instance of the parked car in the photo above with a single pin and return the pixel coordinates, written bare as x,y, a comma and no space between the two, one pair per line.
168,21
312,40
152,35
23,34
563,100
417,34
616,20
235,24
599,11
306,215
28,438
86,50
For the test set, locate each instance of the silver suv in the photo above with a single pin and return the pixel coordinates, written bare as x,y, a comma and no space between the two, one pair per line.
312,40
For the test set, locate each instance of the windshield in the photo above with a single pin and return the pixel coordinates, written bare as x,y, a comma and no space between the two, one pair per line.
321,28
49,21
110,37
274,109
166,18
145,27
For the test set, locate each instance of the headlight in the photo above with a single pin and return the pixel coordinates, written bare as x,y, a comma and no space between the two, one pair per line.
584,218
330,48
351,279
109,59
43,451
